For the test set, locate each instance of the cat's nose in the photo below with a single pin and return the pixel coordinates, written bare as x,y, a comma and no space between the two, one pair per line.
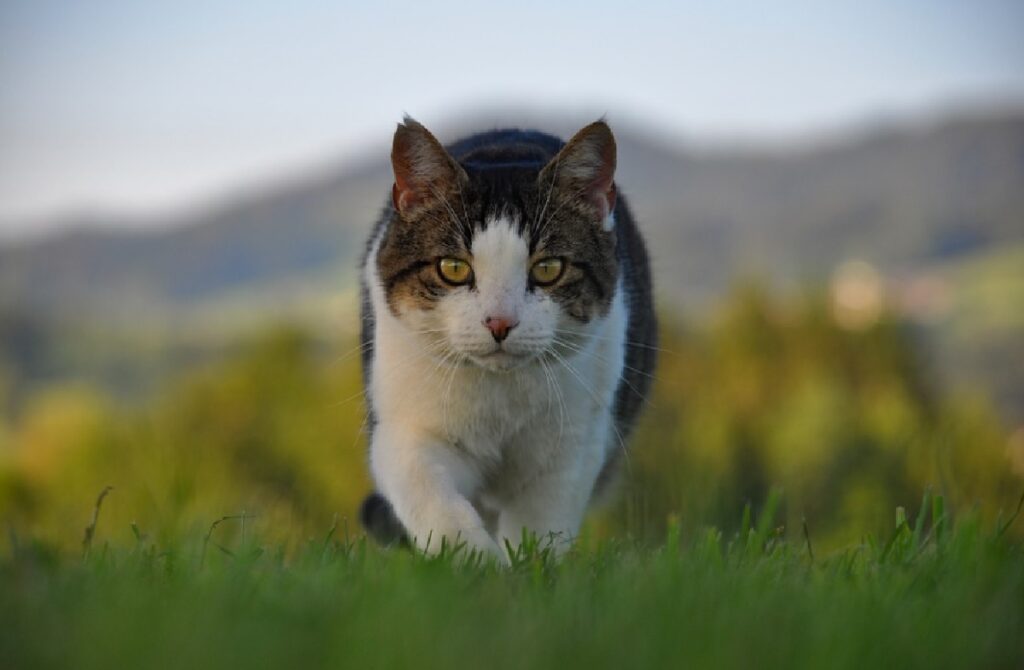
499,326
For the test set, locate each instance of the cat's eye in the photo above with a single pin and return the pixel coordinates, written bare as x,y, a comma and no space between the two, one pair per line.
455,271
546,271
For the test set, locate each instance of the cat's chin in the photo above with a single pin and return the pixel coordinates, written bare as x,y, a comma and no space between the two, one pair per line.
500,361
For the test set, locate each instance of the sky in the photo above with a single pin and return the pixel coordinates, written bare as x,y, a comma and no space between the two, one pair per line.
119,106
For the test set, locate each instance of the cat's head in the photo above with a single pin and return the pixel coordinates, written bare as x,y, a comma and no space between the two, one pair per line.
505,255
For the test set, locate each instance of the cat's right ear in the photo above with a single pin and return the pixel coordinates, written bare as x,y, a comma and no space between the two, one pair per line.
424,172
584,171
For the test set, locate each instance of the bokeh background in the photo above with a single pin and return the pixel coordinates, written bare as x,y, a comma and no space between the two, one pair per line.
833,194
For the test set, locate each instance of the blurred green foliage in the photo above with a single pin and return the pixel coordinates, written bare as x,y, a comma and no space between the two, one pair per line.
769,393
849,423
273,432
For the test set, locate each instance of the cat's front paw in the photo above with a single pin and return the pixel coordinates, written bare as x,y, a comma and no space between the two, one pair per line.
480,543
467,544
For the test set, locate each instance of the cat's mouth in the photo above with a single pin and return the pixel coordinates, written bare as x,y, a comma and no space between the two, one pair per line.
500,360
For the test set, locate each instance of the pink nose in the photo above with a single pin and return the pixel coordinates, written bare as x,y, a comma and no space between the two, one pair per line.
499,326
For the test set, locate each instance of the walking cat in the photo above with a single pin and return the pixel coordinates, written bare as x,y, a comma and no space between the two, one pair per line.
508,337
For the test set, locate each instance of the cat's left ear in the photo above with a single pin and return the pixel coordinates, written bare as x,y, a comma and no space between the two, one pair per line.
425,174
584,171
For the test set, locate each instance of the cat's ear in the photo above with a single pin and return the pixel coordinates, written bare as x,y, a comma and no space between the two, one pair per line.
584,170
424,172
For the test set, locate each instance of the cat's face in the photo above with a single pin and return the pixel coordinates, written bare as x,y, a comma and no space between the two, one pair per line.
501,264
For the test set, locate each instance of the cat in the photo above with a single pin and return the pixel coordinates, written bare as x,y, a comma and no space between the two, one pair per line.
508,335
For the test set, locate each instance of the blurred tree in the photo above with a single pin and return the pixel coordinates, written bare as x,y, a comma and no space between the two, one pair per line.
847,421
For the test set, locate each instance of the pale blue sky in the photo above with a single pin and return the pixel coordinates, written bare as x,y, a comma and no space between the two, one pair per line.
145,106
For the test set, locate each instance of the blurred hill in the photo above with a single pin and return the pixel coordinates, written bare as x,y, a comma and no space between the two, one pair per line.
940,203
898,198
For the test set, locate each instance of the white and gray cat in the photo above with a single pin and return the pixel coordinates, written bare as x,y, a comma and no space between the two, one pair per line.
508,334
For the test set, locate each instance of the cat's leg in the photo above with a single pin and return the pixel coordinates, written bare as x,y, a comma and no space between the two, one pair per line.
428,484
552,504
489,514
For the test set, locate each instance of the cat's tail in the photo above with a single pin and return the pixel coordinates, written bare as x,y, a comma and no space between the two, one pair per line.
380,522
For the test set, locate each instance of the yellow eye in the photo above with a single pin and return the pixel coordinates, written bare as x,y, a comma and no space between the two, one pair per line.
454,271
546,271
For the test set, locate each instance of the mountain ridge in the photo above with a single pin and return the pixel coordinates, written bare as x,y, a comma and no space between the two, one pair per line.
895,197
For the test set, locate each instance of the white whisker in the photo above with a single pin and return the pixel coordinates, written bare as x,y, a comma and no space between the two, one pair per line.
628,343
580,350
622,377
611,421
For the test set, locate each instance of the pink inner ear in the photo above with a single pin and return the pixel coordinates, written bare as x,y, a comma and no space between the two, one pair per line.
407,191
397,196
604,196
404,193
402,196
603,187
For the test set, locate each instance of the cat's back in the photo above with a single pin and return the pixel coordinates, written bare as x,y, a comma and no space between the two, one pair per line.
505,147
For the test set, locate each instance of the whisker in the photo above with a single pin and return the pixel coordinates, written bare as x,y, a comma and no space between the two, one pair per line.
444,200
538,228
631,343
405,359
576,194
621,377
580,350
465,213
446,396
562,411
408,389
351,352
574,373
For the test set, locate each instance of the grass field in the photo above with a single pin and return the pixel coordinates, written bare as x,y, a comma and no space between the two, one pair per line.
933,594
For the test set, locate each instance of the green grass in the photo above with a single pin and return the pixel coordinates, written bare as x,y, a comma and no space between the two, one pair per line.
933,594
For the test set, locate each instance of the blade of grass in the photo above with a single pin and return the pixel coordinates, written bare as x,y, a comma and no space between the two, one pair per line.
807,539
920,521
90,530
938,517
1009,522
